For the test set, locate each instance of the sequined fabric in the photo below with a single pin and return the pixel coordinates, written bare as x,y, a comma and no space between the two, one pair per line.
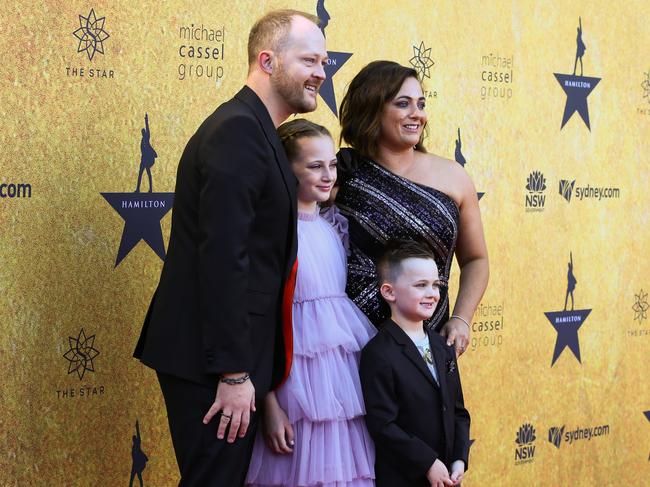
381,206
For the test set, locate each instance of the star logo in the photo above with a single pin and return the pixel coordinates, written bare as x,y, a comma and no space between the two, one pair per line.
641,306
646,86
335,61
81,354
577,88
421,60
567,325
568,322
647,416
91,34
142,212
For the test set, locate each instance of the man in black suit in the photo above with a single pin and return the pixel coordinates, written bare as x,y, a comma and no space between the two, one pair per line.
411,385
215,324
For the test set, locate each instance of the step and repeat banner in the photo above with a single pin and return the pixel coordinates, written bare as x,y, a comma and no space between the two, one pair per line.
545,104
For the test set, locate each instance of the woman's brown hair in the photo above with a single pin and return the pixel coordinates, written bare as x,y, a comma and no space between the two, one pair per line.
363,104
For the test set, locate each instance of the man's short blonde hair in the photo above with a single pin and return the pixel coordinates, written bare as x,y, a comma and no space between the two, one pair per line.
272,32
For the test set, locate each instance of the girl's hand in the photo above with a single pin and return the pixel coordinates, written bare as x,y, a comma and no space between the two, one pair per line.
277,427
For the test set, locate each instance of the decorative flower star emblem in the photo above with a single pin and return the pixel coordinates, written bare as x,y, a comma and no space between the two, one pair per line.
641,306
91,34
646,86
422,61
81,354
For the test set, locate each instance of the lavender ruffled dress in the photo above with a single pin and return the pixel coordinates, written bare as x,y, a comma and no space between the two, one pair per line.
322,396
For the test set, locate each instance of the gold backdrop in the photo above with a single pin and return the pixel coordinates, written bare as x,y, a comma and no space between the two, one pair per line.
77,79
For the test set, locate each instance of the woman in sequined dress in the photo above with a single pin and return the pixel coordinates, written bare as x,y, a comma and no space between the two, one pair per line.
391,188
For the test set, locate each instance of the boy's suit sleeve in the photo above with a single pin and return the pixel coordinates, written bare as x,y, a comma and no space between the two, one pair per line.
412,455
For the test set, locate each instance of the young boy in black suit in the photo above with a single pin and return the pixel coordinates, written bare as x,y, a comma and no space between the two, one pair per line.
411,385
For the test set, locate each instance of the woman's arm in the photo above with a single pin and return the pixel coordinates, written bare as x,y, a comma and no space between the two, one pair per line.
471,254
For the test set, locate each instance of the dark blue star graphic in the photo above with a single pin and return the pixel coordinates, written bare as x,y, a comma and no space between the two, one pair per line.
81,354
91,34
142,213
567,324
336,60
647,416
577,89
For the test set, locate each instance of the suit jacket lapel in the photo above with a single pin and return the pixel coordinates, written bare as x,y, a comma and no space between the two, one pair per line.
410,350
440,360
248,96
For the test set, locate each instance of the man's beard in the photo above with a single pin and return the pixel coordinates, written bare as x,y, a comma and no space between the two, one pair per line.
292,92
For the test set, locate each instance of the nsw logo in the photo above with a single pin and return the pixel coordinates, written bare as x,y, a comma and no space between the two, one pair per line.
525,439
555,434
536,186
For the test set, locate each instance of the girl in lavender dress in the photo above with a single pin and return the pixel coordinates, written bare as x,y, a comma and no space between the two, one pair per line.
313,431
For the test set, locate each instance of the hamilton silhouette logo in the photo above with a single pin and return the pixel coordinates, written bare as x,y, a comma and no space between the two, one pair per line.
535,185
335,61
568,322
646,86
81,354
138,457
421,60
566,189
91,34
577,88
525,451
555,434
460,158
641,306
142,212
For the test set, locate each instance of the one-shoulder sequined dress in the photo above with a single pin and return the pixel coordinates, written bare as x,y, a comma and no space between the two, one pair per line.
381,206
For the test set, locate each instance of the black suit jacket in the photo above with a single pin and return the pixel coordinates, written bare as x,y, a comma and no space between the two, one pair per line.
412,420
232,247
